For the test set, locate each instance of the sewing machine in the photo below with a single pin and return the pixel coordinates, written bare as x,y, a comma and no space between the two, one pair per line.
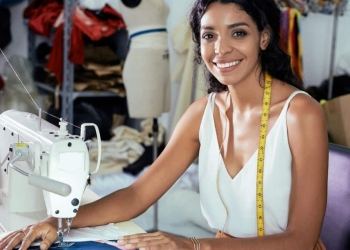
44,170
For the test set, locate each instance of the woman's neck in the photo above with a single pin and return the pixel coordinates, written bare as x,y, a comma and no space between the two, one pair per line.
248,94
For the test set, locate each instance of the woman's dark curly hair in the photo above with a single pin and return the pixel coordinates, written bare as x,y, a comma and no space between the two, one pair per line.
265,14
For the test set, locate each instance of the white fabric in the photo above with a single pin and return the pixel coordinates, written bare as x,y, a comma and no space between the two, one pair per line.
239,194
184,70
124,148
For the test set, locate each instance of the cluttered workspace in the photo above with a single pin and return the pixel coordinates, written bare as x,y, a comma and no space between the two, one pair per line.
90,95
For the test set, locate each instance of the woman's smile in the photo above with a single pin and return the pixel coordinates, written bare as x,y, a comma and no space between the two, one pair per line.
227,66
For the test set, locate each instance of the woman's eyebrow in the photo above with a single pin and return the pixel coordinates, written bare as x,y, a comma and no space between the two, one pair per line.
230,26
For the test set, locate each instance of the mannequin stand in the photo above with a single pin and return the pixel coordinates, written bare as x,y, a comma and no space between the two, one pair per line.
155,155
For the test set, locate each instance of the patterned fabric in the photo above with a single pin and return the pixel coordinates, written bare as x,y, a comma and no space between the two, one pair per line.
291,39
316,6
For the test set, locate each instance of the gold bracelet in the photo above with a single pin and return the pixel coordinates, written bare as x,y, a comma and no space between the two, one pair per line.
196,244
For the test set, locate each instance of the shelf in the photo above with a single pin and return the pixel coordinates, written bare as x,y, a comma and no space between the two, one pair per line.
77,94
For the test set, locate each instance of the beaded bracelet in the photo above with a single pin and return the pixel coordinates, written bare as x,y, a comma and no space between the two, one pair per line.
196,244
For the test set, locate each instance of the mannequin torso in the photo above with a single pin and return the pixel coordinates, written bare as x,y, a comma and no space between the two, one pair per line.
146,73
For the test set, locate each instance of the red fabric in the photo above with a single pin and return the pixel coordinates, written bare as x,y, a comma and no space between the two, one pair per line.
55,62
95,28
117,20
76,53
2,83
42,16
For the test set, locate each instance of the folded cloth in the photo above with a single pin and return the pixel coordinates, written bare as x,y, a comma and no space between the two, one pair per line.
125,147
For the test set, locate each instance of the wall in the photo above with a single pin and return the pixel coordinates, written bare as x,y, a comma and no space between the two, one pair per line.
316,34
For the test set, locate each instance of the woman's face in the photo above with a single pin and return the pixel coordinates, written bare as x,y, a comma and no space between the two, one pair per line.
230,43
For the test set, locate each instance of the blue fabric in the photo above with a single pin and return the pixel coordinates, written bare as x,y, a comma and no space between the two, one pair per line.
82,246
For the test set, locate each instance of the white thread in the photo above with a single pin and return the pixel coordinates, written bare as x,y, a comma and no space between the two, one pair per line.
19,78
29,93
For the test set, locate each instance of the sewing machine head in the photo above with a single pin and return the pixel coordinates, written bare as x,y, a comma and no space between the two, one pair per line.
42,166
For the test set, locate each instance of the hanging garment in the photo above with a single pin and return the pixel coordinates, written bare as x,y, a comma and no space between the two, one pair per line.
84,22
300,5
184,70
326,6
294,44
55,62
290,41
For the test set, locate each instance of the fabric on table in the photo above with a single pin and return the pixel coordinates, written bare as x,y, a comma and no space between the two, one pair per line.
94,245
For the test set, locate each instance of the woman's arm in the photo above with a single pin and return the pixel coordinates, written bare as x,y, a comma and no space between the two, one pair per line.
129,202
308,142
132,201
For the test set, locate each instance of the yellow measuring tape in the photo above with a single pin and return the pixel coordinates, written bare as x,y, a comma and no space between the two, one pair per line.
261,156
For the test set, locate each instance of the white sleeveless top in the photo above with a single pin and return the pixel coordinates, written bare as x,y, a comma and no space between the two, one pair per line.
218,190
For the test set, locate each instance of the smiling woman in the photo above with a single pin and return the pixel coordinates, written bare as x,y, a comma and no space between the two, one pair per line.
264,18
261,143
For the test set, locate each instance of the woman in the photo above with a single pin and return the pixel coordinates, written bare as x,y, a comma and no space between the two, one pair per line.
238,42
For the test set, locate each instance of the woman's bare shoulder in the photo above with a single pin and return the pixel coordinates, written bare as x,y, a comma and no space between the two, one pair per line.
304,107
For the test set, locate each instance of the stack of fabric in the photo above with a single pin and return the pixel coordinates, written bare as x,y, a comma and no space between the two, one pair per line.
90,38
127,147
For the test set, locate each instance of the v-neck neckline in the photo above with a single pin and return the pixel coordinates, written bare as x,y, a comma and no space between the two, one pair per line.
255,152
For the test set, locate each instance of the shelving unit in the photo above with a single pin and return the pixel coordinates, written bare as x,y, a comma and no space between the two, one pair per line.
67,93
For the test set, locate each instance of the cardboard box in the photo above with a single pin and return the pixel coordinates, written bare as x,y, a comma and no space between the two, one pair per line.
337,112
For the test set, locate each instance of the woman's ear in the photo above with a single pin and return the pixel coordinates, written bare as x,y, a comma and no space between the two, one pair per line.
265,37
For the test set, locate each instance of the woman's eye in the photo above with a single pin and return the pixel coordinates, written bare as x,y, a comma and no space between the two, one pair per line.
207,36
239,33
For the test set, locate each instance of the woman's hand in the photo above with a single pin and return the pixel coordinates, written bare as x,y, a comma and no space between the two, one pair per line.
45,230
155,241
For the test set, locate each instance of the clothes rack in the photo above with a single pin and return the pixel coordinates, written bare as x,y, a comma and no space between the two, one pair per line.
67,93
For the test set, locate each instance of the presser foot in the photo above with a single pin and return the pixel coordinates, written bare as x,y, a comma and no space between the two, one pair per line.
65,244
61,242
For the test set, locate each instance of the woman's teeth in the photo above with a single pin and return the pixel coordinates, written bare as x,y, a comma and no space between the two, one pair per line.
226,65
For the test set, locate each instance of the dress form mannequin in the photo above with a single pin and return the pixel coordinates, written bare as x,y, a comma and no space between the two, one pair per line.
146,73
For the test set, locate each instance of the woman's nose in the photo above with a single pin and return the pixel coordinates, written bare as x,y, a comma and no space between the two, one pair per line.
222,47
